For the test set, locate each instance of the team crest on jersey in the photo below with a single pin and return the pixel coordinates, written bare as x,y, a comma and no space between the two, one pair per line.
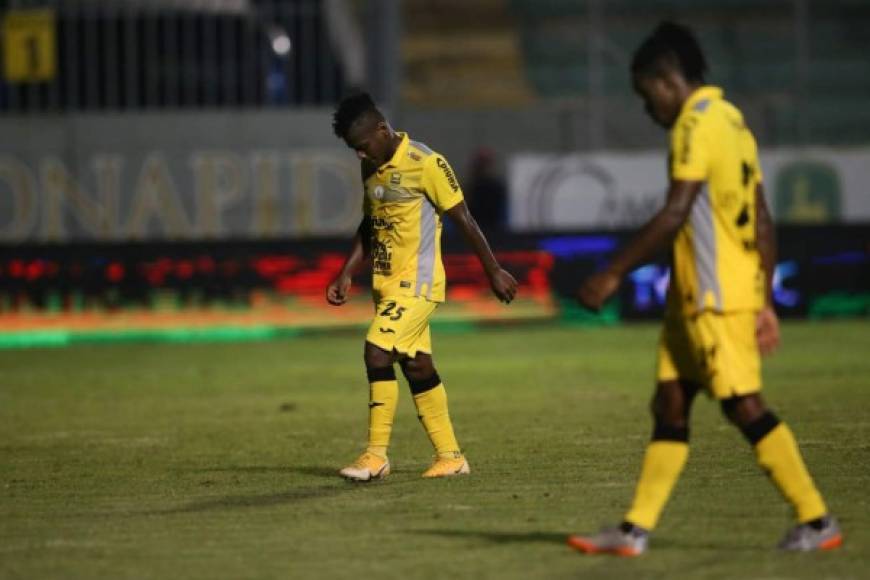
395,179
389,193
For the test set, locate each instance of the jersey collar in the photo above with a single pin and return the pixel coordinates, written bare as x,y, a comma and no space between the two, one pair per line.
701,93
397,157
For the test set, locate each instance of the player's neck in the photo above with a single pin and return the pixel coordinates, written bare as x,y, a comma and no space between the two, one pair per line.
685,92
395,141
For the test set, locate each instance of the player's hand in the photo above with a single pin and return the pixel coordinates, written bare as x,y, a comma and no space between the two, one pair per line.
597,289
503,285
767,330
336,292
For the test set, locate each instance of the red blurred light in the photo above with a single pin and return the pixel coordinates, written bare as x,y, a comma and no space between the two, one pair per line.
115,272
35,270
205,264
184,269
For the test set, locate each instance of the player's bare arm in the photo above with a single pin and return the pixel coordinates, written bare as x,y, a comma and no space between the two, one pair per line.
337,291
653,236
767,325
503,284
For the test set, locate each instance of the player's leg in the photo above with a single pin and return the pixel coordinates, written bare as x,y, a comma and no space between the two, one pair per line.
383,399
679,378
777,453
665,455
663,462
735,362
430,398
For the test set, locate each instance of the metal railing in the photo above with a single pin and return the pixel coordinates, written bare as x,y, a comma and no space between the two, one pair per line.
114,55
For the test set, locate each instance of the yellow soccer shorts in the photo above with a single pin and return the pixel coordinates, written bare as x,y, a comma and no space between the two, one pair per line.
401,323
717,351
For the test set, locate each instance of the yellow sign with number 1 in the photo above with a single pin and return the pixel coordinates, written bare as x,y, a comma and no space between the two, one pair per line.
29,46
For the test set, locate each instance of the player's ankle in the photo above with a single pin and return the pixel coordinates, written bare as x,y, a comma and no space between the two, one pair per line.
450,454
378,450
627,527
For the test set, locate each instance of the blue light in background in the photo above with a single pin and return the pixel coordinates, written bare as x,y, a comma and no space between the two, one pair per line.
650,286
576,246
782,295
854,257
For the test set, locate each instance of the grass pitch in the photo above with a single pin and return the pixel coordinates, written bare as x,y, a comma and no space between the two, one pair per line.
219,461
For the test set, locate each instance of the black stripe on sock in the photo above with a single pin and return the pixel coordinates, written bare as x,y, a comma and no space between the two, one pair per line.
663,432
423,385
758,429
381,374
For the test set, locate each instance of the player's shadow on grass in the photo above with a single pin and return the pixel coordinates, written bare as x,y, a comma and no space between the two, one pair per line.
300,494
497,537
316,470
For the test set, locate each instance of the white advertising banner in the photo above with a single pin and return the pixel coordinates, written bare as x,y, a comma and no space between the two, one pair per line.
621,190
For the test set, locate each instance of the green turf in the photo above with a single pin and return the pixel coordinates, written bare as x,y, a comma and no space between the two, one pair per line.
219,460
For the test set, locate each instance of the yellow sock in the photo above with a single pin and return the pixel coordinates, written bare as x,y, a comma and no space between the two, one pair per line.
778,455
384,395
662,464
432,410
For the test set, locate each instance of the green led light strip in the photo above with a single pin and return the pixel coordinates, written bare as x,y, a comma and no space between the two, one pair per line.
56,338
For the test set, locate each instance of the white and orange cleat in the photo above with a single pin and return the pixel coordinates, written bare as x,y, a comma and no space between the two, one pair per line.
806,538
367,467
612,541
448,466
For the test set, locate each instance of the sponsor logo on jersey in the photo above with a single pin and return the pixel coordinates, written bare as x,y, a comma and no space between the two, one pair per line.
395,179
448,173
382,257
380,223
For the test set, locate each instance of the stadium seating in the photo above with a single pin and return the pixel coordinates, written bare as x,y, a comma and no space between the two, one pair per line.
755,59
459,52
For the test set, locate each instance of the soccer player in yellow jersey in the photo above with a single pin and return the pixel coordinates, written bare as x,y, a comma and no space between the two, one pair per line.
408,187
719,313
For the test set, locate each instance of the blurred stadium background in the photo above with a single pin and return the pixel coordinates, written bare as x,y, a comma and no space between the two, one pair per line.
168,169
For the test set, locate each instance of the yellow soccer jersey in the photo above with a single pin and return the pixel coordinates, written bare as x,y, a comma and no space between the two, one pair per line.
716,264
405,198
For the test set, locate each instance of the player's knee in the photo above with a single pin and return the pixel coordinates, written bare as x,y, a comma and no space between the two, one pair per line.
744,410
668,409
420,373
417,367
753,419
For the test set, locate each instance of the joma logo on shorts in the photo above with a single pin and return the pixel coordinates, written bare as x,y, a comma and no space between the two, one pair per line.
448,173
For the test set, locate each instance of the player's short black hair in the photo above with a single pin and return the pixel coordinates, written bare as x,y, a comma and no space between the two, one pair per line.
670,44
350,109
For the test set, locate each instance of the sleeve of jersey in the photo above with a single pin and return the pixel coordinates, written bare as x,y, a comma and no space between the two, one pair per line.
752,147
440,183
690,155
